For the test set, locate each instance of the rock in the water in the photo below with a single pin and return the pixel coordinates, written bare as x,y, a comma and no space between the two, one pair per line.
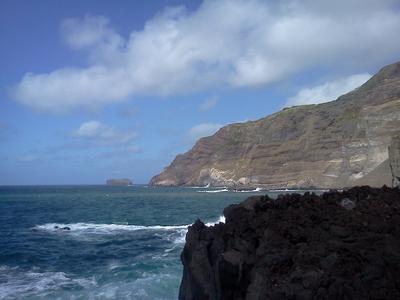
298,247
62,228
394,157
119,182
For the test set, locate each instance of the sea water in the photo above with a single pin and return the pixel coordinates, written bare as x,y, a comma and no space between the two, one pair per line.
99,242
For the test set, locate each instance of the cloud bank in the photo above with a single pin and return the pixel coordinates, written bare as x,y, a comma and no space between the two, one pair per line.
223,43
328,91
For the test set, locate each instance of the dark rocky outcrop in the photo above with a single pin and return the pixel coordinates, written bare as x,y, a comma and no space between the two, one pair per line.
340,245
394,157
119,182
331,145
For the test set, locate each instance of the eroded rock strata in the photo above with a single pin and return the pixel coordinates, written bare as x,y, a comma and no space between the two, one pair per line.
341,245
331,145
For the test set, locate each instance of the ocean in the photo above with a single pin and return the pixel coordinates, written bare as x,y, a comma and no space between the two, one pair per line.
100,242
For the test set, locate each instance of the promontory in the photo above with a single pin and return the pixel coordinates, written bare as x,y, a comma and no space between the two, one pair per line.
336,144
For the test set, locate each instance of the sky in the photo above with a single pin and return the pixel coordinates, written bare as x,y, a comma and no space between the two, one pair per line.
92,89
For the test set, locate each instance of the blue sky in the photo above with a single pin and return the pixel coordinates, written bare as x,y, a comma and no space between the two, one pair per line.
91,90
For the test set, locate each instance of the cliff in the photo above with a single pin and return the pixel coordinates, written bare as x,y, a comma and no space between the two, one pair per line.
119,182
335,246
394,157
330,145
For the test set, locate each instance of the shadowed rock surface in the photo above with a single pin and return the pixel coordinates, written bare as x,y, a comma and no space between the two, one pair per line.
331,145
341,245
394,156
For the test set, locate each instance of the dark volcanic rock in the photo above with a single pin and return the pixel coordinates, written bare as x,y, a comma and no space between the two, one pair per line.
298,247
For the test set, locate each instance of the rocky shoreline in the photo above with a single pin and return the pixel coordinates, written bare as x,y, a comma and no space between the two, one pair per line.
340,245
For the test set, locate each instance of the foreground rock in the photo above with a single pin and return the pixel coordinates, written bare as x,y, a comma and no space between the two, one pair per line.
336,246
331,145
394,157
119,182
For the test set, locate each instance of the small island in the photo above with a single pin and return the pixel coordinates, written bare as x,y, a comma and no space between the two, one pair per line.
119,182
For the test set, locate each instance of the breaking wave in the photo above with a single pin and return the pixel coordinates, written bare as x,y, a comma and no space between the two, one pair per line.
94,228
15,283
177,233
214,191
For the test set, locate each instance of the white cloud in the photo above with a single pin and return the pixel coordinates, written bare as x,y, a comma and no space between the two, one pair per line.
202,130
223,43
208,104
88,32
103,134
328,91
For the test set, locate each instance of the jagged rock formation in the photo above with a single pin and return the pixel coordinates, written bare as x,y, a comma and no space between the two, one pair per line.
119,182
335,246
394,156
330,145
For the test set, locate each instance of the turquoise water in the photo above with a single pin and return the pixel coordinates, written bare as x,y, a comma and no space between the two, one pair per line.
123,242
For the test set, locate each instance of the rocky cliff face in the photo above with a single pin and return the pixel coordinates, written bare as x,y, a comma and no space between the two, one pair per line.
330,145
337,246
394,157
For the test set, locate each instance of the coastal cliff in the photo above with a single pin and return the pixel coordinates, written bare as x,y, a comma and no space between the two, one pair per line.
341,245
331,145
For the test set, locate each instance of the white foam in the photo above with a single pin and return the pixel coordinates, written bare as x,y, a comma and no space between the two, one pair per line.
220,220
285,190
214,191
16,283
114,264
94,228
181,238
200,187
149,286
250,191
173,233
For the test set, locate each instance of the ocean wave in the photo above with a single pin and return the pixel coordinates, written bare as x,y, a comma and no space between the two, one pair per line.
149,286
16,283
173,233
200,187
249,191
214,191
95,228
221,219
